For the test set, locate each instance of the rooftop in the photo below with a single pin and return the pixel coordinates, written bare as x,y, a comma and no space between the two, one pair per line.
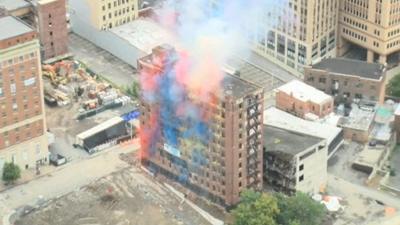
286,141
278,118
12,5
143,34
304,92
12,27
351,67
360,118
237,87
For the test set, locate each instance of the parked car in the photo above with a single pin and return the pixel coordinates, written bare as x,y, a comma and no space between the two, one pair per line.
57,159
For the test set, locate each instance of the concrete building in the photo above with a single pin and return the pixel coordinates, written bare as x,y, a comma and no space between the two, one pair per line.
48,17
358,124
323,129
230,161
347,79
297,33
23,137
106,14
294,161
303,100
372,25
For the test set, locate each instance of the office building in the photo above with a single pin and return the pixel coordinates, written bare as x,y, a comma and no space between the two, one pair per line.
294,161
218,157
106,14
347,80
297,33
303,100
48,18
23,137
372,25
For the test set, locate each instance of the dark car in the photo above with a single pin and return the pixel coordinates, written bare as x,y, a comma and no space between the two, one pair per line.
57,159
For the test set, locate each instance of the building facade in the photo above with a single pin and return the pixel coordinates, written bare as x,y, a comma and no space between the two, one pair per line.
106,14
52,26
372,25
297,33
220,165
23,137
49,18
303,100
347,80
294,161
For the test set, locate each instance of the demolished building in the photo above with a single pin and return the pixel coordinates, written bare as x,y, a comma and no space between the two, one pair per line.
294,161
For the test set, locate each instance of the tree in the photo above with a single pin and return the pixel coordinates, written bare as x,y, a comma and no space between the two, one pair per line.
133,90
11,173
393,87
299,209
256,209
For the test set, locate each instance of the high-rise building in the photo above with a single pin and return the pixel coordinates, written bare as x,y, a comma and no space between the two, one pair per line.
23,137
373,25
48,17
294,33
210,144
106,14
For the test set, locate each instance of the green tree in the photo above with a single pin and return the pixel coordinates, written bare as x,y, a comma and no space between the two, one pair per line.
11,173
256,209
133,90
393,87
299,209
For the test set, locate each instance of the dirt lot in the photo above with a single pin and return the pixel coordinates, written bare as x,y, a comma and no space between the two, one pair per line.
340,163
125,198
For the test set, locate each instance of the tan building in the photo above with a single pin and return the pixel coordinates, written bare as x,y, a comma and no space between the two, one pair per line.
23,137
294,161
220,167
106,14
347,79
303,100
298,33
372,25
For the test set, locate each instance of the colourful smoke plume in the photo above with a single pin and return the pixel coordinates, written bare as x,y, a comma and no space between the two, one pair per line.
182,83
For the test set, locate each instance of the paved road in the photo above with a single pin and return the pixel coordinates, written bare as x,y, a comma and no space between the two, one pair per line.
71,177
383,197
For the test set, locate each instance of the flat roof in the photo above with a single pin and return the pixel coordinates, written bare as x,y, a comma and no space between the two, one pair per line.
360,117
286,141
351,67
12,27
237,87
281,119
143,34
94,130
12,5
304,92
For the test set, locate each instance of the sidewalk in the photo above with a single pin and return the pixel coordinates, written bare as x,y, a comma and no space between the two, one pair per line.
73,176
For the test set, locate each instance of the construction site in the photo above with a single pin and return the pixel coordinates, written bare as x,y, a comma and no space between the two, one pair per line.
79,101
123,198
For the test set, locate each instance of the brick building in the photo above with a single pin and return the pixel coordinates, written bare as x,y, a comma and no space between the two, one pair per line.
303,100
23,138
48,17
347,79
231,160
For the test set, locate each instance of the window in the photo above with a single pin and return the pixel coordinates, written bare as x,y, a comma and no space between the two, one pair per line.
322,80
301,168
301,178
